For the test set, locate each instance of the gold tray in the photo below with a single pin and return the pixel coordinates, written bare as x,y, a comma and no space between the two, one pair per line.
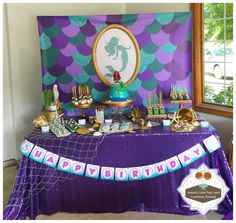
84,106
181,101
157,116
119,104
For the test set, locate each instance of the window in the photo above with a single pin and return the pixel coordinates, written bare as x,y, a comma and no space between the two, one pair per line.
213,58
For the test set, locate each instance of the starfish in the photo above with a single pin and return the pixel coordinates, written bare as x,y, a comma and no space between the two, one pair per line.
174,118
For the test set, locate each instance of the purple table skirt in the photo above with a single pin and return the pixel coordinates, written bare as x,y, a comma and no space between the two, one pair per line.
40,189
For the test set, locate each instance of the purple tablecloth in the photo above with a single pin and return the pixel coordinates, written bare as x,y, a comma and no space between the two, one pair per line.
40,189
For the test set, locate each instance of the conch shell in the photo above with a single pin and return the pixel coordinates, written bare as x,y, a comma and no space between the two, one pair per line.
40,121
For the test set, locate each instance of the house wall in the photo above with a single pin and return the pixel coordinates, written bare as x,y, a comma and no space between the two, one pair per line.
22,64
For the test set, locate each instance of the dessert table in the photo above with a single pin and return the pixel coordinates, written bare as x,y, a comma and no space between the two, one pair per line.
41,189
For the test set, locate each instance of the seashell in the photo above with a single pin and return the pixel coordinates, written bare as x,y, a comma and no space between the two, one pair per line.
149,124
97,134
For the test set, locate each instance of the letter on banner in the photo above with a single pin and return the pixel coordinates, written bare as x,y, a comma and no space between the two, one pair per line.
135,173
64,164
77,167
26,147
107,173
50,159
212,143
173,164
122,174
37,154
92,171
147,172
197,152
159,168
185,158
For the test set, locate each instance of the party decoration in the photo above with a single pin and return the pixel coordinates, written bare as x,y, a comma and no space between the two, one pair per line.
179,93
64,164
107,173
212,143
155,108
37,154
47,100
100,114
135,173
84,100
83,131
50,159
160,168
121,174
197,152
118,92
26,147
92,171
72,125
186,158
147,172
187,115
116,173
40,121
58,127
166,122
173,164
165,55
77,167
45,129
134,114
204,124
174,118
115,49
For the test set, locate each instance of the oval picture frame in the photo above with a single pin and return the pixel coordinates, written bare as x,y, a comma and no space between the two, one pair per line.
116,49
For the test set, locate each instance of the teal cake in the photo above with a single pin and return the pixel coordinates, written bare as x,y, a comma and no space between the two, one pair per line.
118,93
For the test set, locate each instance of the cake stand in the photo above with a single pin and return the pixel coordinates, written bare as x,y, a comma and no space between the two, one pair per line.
119,105
83,108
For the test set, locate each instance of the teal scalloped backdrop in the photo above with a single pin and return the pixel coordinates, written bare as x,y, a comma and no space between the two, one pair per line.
165,49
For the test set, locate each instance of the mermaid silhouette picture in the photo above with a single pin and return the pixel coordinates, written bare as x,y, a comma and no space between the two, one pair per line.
113,48
116,49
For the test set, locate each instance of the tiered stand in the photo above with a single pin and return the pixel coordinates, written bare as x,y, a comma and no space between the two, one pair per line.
180,102
83,109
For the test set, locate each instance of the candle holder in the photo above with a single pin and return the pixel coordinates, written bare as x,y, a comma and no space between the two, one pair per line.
84,99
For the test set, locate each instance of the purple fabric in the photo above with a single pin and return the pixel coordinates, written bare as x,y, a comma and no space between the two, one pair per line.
66,192
229,216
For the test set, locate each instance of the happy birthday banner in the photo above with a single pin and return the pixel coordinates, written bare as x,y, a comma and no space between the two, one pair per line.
183,159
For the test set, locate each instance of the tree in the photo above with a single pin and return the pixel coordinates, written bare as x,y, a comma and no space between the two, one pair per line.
214,30
225,96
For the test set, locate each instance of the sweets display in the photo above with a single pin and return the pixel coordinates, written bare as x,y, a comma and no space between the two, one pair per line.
118,92
72,125
59,129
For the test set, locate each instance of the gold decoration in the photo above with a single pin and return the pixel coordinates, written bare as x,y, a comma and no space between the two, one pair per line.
142,125
134,114
130,131
96,125
174,118
195,123
58,104
51,115
187,114
119,104
94,59
83,131
40,121
149,99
